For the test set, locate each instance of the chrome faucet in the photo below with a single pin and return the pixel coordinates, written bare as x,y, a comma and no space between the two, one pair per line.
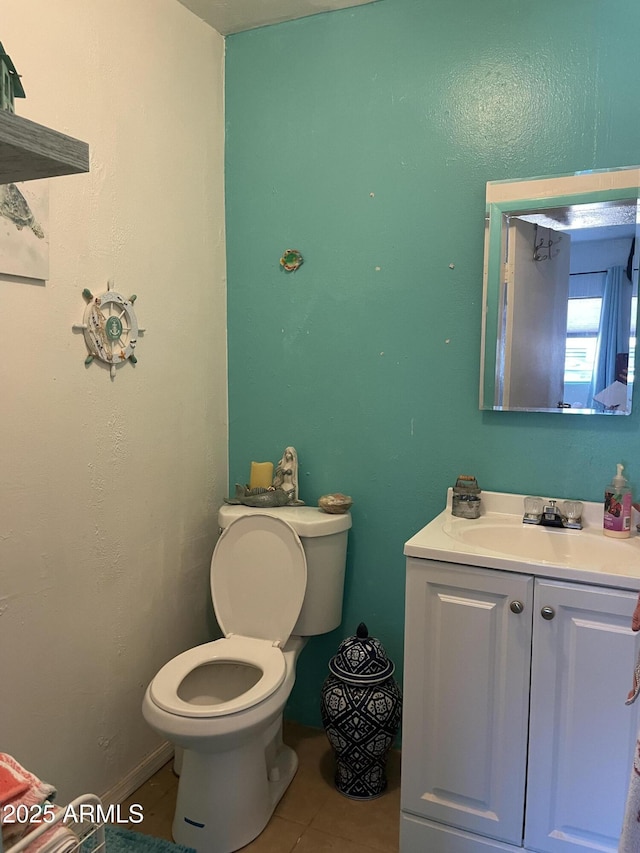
548,514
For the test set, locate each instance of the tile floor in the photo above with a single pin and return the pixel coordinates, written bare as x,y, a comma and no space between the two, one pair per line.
312,817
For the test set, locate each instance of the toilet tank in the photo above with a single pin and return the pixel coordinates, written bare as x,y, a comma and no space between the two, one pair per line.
324,539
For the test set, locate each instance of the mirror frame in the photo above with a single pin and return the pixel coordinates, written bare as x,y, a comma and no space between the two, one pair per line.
533,194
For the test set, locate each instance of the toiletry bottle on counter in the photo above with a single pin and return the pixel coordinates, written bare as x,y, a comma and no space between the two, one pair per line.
617,507
466,497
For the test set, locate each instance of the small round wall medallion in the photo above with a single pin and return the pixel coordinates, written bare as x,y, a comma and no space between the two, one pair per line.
110,327
291,260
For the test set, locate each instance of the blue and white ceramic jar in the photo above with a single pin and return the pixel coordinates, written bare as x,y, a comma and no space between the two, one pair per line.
361,708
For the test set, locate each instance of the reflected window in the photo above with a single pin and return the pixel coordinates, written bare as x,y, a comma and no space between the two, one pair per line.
583,322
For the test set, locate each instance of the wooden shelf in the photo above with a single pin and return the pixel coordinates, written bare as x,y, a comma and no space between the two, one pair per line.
29,151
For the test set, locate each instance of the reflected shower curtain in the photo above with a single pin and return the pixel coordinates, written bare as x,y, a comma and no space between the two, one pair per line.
613,334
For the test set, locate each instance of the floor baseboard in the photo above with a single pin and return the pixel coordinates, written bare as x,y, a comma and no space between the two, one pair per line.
138,776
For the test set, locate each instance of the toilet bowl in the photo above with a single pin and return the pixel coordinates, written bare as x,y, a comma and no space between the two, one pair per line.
277,577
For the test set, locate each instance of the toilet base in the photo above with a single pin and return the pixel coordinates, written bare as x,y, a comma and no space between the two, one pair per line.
225,799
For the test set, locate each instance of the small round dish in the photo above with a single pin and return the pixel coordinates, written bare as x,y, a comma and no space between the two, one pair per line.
336,504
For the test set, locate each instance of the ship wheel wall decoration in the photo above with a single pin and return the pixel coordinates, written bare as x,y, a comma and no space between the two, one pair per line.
110,328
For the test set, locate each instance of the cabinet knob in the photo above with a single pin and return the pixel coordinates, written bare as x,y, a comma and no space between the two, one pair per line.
516,606
547,612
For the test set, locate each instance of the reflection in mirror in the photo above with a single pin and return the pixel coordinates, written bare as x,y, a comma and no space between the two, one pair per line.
560,293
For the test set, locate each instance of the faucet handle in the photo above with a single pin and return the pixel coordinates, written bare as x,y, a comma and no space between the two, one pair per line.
572,510
533,507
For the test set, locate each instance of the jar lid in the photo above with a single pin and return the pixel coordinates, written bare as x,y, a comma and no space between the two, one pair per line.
467,484
361,660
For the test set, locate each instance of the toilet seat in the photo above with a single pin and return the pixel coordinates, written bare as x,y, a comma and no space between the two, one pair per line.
262,654
258,584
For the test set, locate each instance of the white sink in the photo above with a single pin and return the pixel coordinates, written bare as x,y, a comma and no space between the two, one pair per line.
499,539
587,549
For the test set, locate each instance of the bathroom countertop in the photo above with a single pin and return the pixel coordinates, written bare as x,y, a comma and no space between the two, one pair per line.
498,539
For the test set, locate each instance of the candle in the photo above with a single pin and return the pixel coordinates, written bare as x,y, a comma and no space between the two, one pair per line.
261,475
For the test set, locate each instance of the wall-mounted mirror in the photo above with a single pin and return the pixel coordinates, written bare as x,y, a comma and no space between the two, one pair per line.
560,293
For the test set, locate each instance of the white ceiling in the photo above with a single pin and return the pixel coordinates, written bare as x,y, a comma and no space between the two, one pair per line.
234,16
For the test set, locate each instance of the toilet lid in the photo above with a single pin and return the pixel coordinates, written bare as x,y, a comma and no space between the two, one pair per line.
258,578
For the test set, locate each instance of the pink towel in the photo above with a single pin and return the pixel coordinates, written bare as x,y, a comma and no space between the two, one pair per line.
11,786
19,788
56,839
23,782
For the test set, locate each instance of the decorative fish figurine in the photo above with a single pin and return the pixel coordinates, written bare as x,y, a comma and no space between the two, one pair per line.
258,497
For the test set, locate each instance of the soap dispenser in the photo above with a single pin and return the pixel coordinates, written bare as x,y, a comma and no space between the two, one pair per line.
617,507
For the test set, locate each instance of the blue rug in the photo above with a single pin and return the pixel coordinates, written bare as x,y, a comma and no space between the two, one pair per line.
125,841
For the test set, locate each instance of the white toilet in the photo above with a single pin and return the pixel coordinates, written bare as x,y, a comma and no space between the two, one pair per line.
277,577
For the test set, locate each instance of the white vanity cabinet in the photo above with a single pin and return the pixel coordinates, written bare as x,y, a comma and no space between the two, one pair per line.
515,731
582,735
466,686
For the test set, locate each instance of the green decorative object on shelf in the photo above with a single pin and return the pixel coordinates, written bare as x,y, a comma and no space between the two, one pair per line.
10,85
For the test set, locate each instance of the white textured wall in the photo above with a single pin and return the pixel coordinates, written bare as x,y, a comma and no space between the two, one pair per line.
109,489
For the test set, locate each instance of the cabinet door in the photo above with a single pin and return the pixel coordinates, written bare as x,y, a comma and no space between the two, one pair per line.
466,688
582,734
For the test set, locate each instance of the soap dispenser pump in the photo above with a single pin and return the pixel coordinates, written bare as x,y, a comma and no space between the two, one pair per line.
617,507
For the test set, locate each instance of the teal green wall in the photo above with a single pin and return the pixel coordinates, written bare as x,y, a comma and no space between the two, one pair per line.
365,138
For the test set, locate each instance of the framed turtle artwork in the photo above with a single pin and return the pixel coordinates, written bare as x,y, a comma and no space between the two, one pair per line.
24,229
